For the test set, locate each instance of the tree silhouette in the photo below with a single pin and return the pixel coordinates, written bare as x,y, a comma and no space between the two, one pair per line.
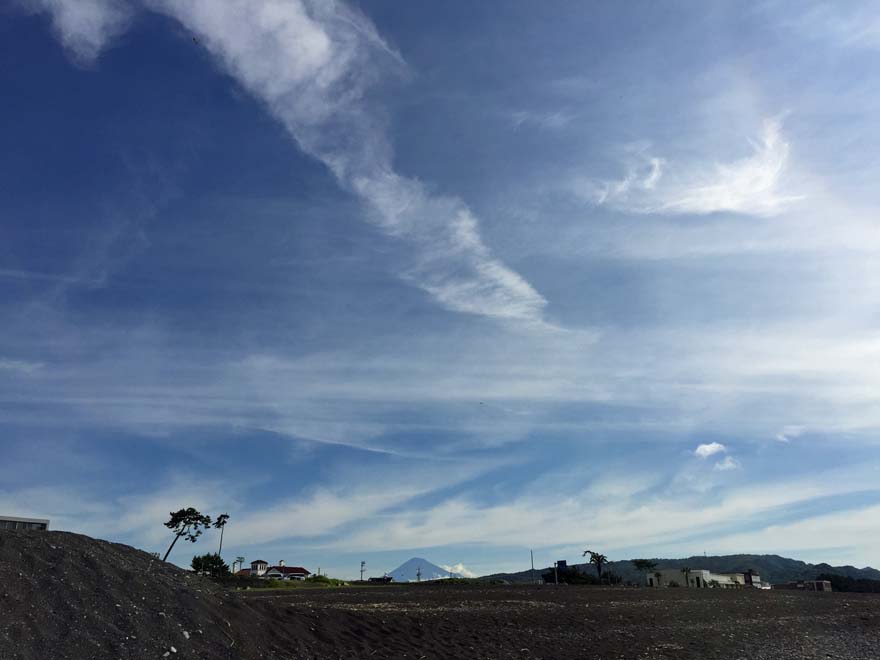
644,566
598,560
186,522
239,561
687,576
220,523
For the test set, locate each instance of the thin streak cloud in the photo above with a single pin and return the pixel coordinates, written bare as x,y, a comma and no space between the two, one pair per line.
312,63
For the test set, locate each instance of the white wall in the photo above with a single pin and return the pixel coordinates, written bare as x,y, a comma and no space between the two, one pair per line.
696,577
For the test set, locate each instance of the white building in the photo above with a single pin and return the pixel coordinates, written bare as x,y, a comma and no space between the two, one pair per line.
699,578
11,522
260,568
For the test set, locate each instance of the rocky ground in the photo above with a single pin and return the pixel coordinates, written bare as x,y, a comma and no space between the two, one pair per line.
69,596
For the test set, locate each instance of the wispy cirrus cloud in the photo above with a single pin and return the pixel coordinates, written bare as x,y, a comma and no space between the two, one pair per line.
549,120
312,63
719,512
20,366
850,25
752,185
31,275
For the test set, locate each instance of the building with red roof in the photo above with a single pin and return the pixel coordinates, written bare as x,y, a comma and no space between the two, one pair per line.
260,568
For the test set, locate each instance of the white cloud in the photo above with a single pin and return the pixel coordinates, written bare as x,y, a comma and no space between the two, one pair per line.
729,463
84,26
459,569
790,432
751,185
709,449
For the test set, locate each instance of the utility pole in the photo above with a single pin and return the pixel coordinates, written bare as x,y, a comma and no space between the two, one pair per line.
555,572
363,564
532,553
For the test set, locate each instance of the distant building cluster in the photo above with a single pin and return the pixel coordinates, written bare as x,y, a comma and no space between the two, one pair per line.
11,522
806,585
700,578
261,569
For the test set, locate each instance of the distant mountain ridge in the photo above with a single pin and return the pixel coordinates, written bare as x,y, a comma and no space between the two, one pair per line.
771,568
418,569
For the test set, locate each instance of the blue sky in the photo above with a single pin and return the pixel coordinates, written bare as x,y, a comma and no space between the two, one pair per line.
447,279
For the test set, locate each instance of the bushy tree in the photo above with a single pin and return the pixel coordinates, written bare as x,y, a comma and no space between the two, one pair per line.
188,523
844,583
569,575
210,564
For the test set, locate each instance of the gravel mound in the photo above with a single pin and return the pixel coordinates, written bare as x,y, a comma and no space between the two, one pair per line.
65,596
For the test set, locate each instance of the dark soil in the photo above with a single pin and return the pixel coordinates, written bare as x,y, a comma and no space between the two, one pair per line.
69,596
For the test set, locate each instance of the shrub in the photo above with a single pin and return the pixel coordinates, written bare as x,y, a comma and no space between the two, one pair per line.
323,579
210,564
570,575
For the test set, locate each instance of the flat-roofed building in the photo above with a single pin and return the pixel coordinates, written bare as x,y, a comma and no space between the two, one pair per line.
11,522
695,578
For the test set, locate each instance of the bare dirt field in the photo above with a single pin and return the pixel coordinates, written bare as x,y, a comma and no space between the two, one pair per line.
580,622
69,597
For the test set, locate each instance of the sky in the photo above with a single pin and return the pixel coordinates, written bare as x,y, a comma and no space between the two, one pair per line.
455,280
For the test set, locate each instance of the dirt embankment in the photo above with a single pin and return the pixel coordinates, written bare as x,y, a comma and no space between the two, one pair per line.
69,596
